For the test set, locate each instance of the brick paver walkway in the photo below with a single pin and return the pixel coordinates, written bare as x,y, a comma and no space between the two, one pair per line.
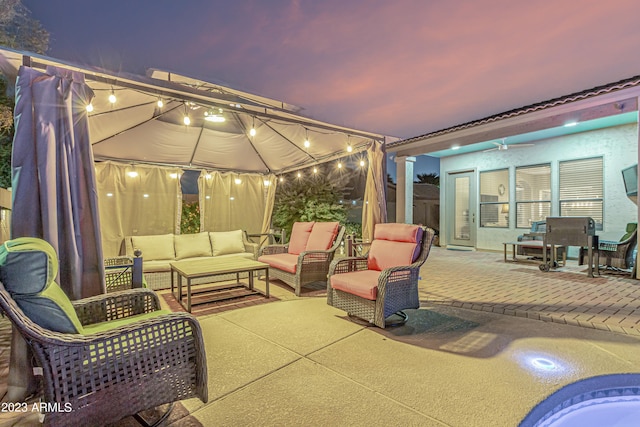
483,281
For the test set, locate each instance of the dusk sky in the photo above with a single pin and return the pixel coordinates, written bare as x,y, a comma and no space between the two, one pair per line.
401,68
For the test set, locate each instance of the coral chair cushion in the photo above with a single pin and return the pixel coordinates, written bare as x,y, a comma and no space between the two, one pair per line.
360,283
394,245
28,267
398,232
299,237
322,236
284,262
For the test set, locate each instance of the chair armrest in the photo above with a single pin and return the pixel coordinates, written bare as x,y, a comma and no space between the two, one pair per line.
249,246
141,350
345,265
116,305
274,249
608,245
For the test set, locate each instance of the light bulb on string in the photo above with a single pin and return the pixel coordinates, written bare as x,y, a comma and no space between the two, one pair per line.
339,165
160,103
186,119
112,97
362,163
315,170
89,107
252,132
349,147
307,144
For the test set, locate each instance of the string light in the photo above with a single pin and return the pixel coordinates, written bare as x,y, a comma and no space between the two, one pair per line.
281,179
89,107
112,97
315,170
160,103
362,163
238,181
252,132
349,147
186,120
299,175
339,165
307,144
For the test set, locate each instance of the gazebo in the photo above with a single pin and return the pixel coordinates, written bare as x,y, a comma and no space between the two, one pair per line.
144,131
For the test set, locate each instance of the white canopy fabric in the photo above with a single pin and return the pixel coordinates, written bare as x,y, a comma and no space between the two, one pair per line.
134,129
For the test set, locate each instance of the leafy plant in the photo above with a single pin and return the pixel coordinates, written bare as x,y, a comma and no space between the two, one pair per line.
311,199
190,222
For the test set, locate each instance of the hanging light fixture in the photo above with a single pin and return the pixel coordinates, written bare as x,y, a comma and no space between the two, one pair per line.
315,170
252,132
213,116
339,165
362,163
349,147
89,107
160,103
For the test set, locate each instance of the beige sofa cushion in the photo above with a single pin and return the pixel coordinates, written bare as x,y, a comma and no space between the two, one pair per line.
155,247
192,245
226,242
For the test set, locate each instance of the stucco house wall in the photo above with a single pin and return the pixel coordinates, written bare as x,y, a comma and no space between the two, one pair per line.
617,146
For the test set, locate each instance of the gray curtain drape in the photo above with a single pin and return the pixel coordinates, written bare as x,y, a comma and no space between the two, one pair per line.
374,210
54,186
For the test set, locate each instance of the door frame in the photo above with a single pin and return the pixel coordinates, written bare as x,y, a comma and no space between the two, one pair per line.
450,207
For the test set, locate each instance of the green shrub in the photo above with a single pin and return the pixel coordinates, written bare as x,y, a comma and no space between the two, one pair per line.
311,199
190,222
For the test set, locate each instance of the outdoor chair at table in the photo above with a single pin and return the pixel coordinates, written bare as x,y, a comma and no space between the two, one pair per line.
124,272
103,358
616,255
385,281
307,257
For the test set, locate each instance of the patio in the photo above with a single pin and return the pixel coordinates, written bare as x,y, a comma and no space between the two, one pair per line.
464,359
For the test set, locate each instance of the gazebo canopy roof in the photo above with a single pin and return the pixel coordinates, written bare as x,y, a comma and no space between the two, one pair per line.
135,128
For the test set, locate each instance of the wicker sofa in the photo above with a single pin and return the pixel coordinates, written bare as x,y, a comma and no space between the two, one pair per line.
158,251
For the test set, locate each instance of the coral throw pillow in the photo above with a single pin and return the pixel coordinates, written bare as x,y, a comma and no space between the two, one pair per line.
299,237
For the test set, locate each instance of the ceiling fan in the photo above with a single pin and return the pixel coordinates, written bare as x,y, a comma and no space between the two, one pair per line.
502,145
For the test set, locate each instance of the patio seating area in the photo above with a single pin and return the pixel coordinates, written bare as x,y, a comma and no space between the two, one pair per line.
463,359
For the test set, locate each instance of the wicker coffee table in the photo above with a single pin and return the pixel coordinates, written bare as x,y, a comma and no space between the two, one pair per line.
194,269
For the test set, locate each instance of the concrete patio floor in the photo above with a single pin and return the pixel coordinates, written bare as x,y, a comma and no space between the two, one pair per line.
465,358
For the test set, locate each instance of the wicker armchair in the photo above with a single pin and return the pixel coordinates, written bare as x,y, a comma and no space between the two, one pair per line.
302,268
615,255
127,356
357,285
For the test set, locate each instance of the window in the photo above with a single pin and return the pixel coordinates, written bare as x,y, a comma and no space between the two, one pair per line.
494,198
581,189
533,194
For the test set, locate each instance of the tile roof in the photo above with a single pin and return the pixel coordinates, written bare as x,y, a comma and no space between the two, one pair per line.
589,93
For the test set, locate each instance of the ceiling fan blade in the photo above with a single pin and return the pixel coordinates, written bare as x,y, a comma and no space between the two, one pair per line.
521,145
